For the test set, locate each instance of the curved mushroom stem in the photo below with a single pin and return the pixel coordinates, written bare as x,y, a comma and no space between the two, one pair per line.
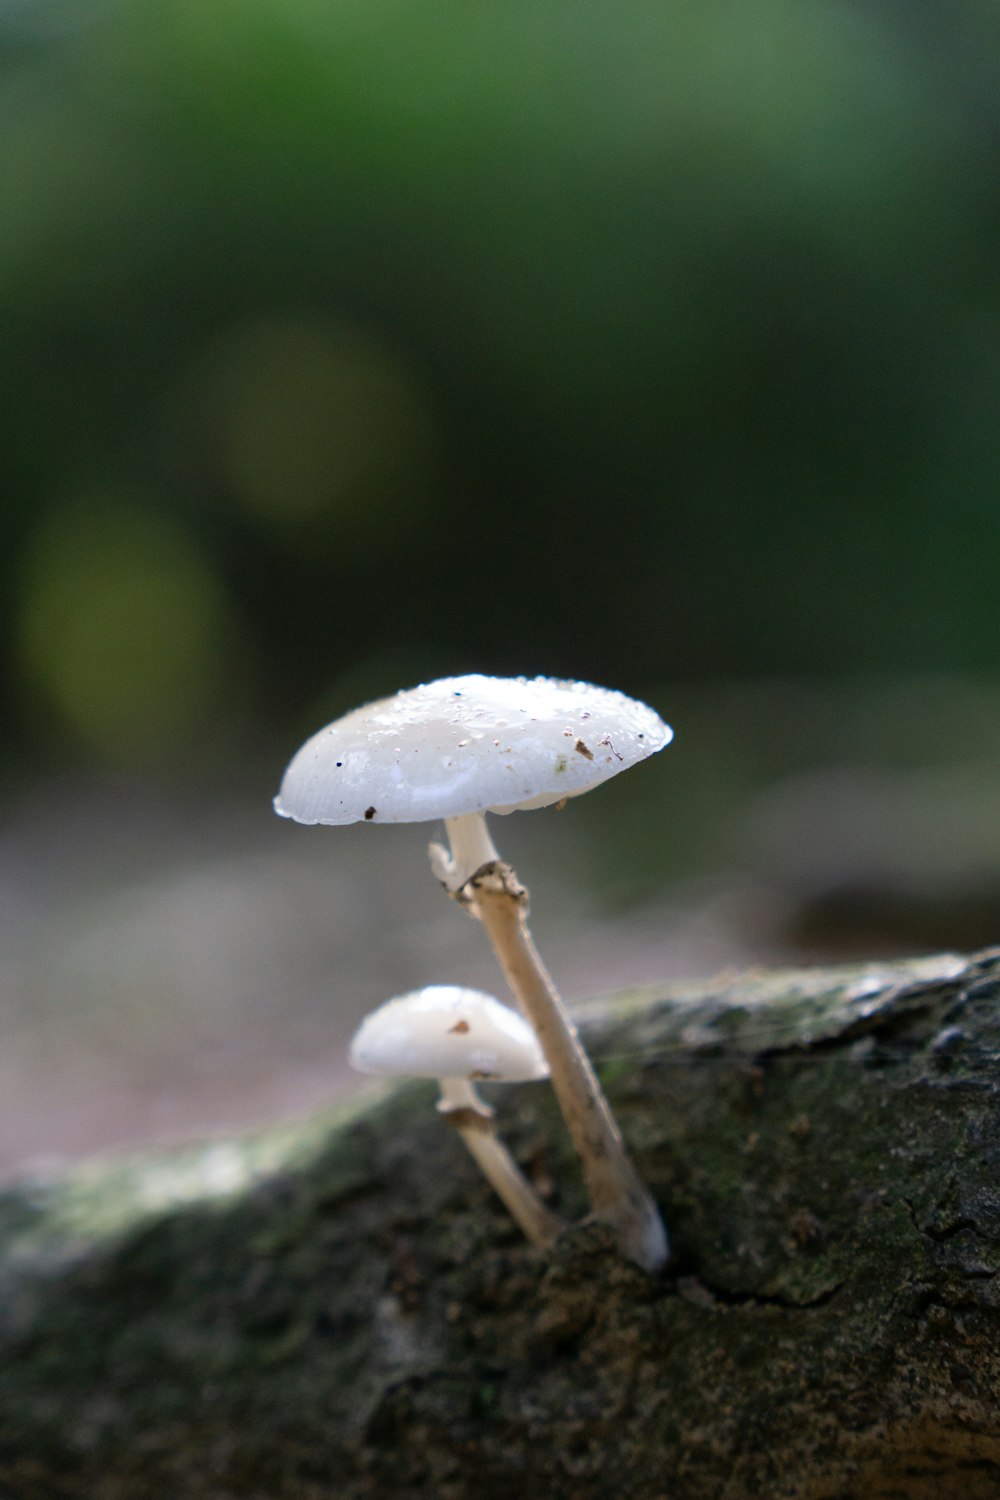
471,848
618,1196
473,1120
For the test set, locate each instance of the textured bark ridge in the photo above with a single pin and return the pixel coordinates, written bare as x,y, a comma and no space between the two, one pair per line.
344,1312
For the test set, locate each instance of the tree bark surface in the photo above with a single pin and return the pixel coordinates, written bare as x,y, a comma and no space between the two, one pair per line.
343,1311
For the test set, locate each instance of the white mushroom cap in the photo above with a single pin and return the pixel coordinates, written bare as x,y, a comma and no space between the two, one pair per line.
467,745
445,1031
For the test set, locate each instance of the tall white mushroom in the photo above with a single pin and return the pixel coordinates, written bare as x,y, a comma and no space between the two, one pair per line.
457,749
457,1035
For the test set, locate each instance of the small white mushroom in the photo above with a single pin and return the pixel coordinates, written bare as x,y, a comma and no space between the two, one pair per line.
457,749
457,1035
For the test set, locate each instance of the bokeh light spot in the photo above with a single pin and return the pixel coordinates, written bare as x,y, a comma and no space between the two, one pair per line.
123,627
321,431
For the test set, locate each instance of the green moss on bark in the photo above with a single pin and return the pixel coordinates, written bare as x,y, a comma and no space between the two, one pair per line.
343,1310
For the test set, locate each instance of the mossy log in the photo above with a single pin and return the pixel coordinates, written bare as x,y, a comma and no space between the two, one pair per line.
343,1312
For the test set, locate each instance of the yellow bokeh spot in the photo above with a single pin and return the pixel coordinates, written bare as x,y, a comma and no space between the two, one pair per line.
123,627
320,431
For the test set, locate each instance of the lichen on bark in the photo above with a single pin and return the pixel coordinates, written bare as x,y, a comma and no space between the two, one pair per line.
343,1310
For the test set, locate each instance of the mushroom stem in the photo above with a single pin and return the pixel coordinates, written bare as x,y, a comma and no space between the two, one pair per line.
471,848
473,1120
617,1194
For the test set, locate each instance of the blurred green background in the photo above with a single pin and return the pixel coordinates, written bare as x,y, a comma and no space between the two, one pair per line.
347,344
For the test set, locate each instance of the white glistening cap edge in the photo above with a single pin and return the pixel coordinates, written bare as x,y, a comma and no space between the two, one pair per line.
446,1031
467,744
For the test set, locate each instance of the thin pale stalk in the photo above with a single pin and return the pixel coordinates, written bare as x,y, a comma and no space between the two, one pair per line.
470,847
617,1194
464,1110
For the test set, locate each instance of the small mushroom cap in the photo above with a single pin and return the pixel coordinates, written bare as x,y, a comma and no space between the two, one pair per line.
464,745
445,1031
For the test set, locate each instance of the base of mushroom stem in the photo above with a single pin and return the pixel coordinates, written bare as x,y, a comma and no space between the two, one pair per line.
644,1241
